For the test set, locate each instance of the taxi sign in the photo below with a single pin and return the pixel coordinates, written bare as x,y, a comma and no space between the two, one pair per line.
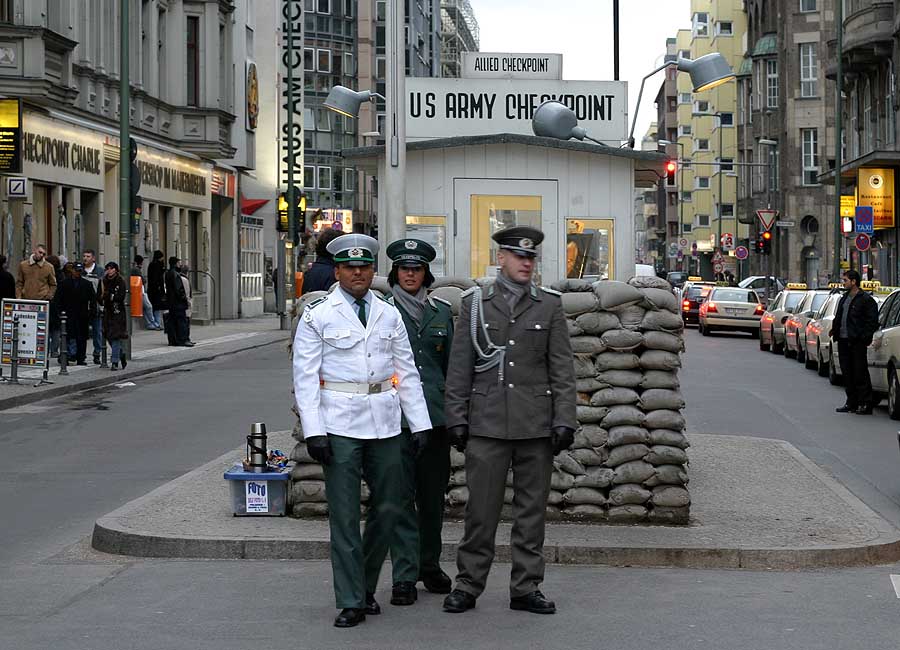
885,290
796,285
835,285
695,278
869,285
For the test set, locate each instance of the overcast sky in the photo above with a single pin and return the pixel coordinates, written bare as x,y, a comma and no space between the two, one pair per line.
581,30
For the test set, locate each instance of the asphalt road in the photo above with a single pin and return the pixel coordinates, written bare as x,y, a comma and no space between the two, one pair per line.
71,460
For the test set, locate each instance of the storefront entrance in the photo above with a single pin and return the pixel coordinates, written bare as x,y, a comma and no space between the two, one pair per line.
484,206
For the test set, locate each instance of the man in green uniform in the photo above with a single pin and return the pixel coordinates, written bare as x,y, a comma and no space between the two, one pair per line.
416,543
511,399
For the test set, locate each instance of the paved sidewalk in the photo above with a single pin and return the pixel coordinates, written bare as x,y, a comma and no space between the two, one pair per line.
150,353
757,503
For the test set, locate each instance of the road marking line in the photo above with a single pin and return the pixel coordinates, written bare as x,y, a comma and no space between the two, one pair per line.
895,579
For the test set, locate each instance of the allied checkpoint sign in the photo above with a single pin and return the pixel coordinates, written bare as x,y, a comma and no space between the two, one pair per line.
34,332
442,108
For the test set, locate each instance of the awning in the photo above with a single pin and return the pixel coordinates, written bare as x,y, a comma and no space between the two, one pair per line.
872,159
249,206
765,46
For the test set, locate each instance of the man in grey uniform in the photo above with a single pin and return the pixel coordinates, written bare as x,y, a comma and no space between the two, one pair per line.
510,401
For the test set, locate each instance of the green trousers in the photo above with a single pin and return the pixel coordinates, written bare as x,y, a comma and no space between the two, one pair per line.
416,542
380,463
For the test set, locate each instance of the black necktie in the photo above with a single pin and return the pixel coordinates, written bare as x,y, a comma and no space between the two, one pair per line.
362,310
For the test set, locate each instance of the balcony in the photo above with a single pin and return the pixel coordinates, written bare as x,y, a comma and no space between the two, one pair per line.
869,28
36,65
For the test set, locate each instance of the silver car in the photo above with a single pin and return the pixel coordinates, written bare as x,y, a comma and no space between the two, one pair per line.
771,328
795,326
818,341
730,308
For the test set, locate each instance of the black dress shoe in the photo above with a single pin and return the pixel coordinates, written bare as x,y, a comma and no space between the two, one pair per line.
372,606
864,410
350,617
404,593
846,408
458,601
437,582
535,602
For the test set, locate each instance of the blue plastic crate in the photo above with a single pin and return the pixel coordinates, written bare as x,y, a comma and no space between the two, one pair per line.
262,494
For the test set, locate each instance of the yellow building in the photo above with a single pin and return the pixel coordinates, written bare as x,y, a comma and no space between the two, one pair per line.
707,136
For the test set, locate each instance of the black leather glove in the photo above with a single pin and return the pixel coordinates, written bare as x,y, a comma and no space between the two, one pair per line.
320,449
561,438
459,436
419,440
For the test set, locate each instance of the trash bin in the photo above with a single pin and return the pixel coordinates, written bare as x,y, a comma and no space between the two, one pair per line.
258,493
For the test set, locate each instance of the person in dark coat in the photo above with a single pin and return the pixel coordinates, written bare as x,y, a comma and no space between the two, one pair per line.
156,285
7,281
78,300
855,323
178,303
320,276
115,314
55,321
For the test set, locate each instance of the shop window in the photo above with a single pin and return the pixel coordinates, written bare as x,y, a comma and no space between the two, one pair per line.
590,248
434,231
324,178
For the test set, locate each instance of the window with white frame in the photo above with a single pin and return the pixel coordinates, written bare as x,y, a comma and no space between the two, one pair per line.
726,210
309,6
854,123
309,59
700,24
742,103
323,6
701,182
868,127
771,83
684,129
349,180
809,70
684,98
324,178
701,221
773,168
684,54
687,163
808,5
726,119
724,28
687,196
756,90
349,68
890,126
701,106
701,144
323,63
810,156
309,177
687,228
725,164
759,178
323,119
380,67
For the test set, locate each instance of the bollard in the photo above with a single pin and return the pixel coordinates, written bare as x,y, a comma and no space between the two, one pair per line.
256,447
14,356
63,345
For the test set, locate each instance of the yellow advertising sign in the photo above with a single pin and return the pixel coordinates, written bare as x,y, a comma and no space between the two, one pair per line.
875,187
848,206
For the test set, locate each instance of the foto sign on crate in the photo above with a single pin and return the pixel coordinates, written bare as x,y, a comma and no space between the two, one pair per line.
257,493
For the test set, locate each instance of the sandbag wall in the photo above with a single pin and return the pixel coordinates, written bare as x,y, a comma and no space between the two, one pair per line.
628,462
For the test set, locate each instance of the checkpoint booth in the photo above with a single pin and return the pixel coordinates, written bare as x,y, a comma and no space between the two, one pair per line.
460,190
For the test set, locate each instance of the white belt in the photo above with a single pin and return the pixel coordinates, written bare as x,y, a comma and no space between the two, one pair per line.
357,389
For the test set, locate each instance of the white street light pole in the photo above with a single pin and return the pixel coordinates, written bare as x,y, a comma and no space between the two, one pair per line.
394,217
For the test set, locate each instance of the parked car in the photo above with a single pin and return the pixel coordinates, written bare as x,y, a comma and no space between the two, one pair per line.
771,329
795,326
677,278
835,375
758,284
730,308
883,355
691,298
818,341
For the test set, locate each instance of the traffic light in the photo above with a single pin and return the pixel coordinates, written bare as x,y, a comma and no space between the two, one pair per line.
283,224
135,206
764,243
671,168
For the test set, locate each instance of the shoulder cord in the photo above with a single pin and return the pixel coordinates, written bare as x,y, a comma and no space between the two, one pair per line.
495,354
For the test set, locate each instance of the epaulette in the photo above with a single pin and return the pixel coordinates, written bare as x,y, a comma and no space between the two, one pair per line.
388,299
551,291
468,292
446,302
307,310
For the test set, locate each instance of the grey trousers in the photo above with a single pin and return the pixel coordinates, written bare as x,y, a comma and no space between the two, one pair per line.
487,463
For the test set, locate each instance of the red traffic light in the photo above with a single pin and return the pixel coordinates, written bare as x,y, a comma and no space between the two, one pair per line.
670,167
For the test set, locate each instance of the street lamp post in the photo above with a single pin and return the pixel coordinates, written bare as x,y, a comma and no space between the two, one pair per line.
680,190
770,158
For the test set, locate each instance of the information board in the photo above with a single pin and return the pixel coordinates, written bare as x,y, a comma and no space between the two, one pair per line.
34,332
10,136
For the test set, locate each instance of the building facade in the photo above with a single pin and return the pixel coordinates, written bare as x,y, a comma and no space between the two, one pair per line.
62,60
459,33
786,130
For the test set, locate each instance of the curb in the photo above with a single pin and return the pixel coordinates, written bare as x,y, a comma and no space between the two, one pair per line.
58,391
109,536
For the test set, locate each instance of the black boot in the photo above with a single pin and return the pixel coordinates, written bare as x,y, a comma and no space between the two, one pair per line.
372,606
404,593
437,582
535,602
350,617
458,601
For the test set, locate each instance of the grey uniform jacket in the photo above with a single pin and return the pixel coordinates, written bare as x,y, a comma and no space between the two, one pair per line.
538,387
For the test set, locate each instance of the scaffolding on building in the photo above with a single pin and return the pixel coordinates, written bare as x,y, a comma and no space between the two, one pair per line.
459,33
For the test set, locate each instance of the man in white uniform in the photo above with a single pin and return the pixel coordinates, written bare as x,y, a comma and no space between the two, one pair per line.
353,370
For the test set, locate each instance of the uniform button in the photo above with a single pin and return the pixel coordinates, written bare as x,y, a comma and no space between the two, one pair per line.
512,363
549,392
537,327
511,342
420,367
371,373
370,354
512,320
511,385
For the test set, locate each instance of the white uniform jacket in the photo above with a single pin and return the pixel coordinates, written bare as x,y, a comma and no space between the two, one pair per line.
331,345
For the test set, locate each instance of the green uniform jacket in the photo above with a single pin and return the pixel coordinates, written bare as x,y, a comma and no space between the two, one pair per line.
538,387
430,344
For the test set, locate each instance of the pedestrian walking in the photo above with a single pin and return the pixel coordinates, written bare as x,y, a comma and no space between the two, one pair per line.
7,281
156,286
115,313
510,401
78,299
176,320
36,279
353,371
321,276
416,541
855,322
92,274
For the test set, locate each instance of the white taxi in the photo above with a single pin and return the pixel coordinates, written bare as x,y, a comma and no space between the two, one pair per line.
730,308
771,328
880,294
883,355
795,326
818,341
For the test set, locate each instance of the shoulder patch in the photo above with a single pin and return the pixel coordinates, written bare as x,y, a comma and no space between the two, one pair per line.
441,300
553,292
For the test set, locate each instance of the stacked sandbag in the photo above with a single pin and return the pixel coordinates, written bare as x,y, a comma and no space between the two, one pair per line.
628,460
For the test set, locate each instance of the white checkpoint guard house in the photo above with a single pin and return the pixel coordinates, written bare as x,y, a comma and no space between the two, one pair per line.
459,190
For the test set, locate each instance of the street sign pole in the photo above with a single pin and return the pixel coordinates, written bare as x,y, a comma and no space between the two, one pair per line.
124,164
